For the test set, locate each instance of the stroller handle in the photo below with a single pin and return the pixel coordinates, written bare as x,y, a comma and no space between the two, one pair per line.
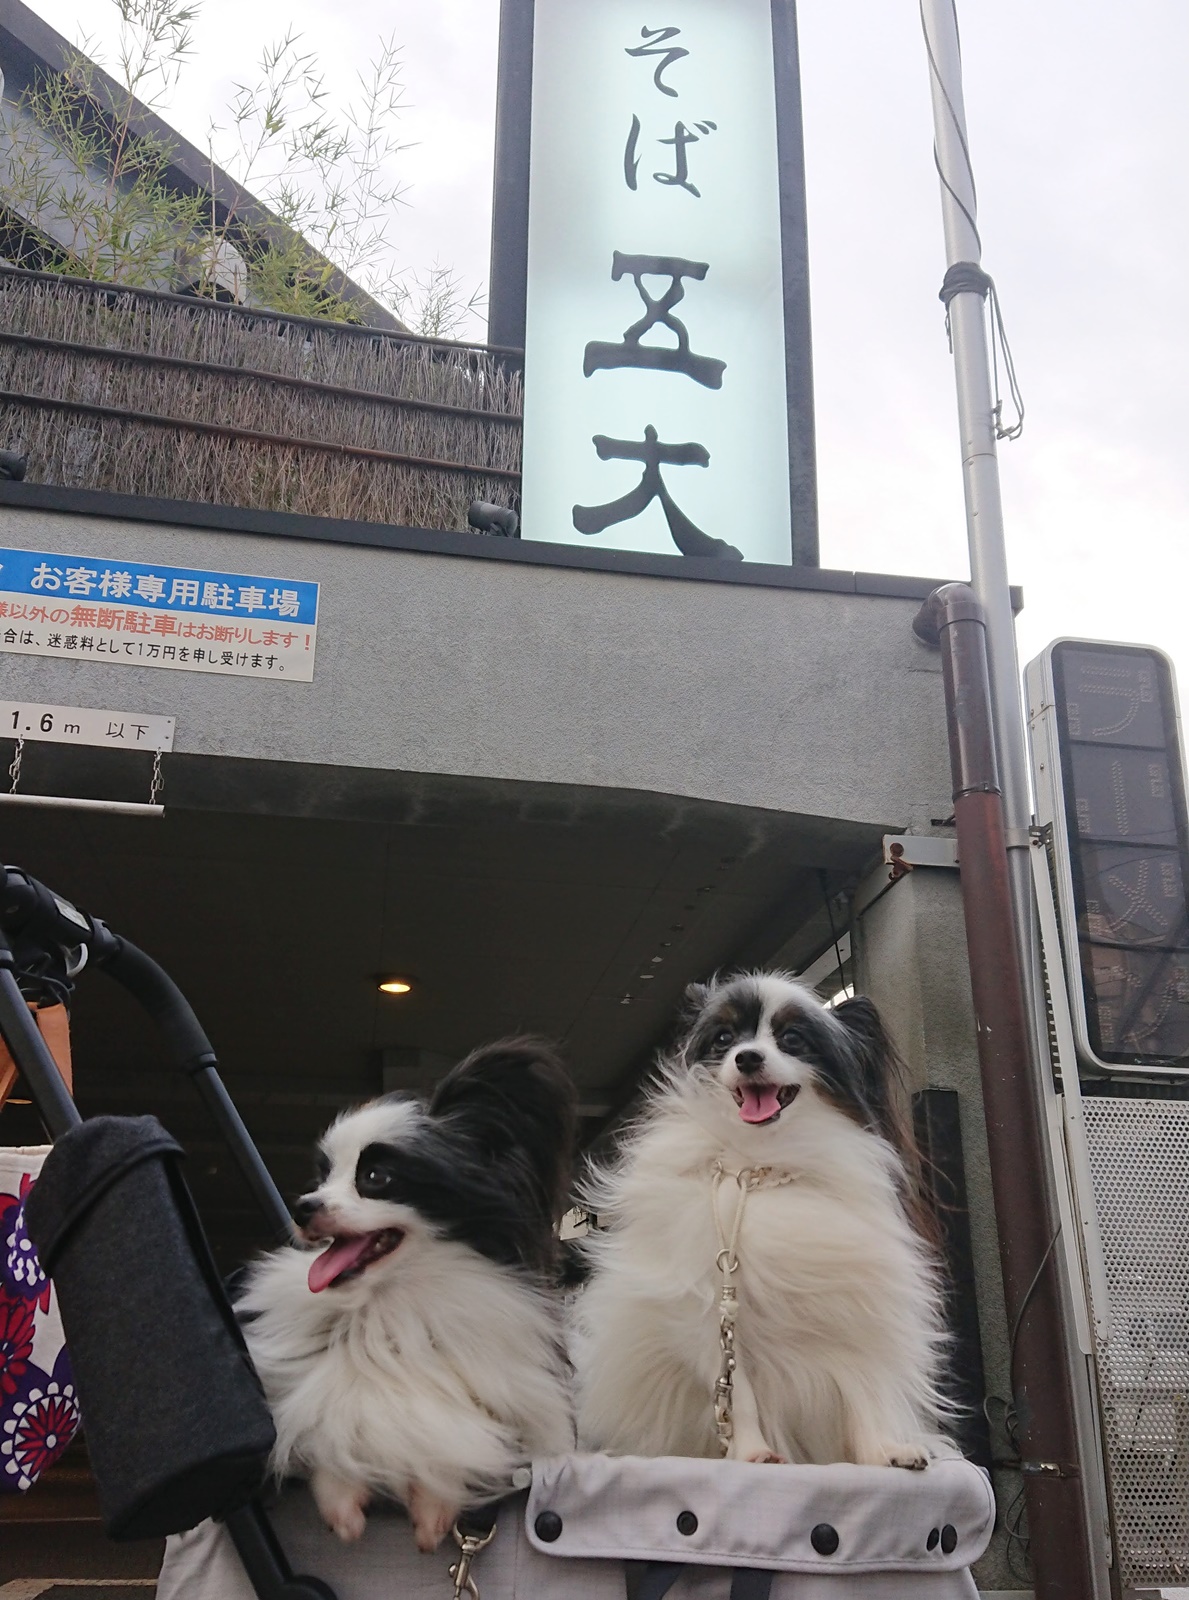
59,938
46,940
160,996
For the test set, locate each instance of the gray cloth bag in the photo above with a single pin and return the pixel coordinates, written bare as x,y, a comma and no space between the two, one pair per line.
176,1423
597,1527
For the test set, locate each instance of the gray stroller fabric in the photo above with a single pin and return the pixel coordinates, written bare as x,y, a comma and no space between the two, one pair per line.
176,1422
591,1526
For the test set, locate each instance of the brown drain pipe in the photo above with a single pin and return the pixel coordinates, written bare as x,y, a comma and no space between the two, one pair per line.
952,620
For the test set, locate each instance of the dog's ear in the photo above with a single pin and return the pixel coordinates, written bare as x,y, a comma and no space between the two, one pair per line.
881,1071
884,1078
696,996
516,1097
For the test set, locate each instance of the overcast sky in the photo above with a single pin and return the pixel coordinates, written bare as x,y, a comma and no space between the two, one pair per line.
1078,131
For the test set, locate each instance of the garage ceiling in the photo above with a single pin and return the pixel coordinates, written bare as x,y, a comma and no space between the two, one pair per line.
274,895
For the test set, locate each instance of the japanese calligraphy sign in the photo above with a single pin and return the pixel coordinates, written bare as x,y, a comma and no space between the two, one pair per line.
130,614
662,318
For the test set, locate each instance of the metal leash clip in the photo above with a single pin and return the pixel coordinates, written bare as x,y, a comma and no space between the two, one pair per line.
724,1425
469,1545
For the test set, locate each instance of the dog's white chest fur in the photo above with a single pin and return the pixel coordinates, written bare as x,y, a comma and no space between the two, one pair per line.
837,1332
446,1376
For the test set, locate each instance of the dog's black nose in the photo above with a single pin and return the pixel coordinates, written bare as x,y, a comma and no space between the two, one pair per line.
749,1061
304,1209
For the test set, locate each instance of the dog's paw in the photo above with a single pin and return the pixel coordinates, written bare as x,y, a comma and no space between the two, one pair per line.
749,1445
341,1505
912,1457
432,1518
348,1523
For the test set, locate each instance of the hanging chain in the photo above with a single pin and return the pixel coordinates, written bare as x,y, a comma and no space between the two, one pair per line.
727,1262
724,1386
469,1545
156,782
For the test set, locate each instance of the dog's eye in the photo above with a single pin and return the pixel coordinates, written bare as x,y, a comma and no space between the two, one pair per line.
723,1037
372,1178
790,1041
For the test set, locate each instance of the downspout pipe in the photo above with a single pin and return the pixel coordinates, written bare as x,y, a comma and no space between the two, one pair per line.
953,621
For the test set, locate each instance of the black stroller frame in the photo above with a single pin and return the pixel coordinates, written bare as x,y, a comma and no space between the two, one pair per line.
50,940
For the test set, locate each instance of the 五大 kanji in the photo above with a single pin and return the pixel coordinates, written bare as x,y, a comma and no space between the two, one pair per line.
687,536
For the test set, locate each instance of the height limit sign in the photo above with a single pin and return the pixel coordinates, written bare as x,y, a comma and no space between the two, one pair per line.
112,730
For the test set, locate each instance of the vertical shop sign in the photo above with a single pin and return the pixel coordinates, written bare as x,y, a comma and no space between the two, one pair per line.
661,293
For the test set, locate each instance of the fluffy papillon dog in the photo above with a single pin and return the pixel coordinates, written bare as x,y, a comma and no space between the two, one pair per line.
772,1146
411,1349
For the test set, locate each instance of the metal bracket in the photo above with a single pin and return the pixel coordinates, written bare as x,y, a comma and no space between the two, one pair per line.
904,851
1050,1469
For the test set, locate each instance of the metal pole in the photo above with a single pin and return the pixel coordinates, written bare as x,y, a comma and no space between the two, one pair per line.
126,808
976,422
965,295
966,311
1041,1383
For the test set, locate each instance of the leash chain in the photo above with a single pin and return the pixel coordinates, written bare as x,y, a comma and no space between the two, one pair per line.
469,1546
727,1262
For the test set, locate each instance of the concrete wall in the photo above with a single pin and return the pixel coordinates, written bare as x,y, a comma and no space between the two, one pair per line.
807,702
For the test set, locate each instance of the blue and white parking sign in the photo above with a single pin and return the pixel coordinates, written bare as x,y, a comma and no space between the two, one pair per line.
133,614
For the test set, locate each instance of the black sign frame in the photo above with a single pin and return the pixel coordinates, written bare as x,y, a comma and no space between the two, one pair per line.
1117,794
508,284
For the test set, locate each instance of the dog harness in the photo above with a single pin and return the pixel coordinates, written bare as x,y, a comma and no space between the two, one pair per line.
727,1261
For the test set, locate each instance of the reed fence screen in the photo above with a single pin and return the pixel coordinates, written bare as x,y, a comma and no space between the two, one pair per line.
150,394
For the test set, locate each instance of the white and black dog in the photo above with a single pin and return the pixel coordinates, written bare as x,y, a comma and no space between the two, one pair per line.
418,1354
776,1104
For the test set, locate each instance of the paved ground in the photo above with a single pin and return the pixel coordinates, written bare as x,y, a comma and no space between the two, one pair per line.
78,1589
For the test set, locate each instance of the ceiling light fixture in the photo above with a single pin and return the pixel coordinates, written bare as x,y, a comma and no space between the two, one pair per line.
394,985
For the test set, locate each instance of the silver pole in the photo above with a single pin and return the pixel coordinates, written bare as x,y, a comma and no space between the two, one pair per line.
127,808
989,580
980,481
976,421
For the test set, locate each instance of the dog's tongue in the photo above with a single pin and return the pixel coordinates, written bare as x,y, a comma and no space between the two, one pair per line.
339,1258
759,1102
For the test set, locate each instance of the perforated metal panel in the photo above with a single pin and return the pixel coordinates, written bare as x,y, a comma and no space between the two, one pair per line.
1139,1162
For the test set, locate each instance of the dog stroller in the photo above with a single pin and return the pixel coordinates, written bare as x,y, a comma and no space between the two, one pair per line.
179,1433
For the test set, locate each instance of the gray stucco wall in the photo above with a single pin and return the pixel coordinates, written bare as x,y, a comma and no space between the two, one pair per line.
821,704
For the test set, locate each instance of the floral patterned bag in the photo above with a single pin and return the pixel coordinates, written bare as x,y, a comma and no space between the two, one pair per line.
38,1408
